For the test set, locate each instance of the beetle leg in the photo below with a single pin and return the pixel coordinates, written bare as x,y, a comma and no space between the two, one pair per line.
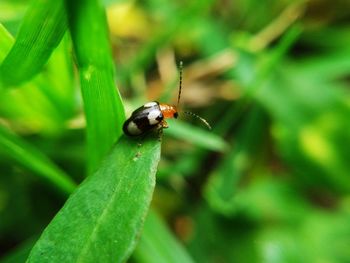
164,124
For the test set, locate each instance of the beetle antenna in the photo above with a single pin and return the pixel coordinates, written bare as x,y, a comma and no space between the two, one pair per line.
204,121
180,83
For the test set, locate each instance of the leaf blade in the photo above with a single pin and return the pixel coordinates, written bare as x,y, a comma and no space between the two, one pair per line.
103,106
41,31
157,244
93,220
197,135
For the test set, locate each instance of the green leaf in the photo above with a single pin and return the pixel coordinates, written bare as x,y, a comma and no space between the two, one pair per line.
103,105
157,244
102,220
41,31
197,135
52,90
32,159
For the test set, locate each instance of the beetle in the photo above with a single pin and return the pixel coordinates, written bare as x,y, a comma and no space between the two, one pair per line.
153,115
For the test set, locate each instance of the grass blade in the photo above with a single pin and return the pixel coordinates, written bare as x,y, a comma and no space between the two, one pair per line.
157,244
103,106
52,90
41,31
197,135
100,222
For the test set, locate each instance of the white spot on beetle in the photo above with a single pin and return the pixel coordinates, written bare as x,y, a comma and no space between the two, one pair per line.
150,104
133,129
152,116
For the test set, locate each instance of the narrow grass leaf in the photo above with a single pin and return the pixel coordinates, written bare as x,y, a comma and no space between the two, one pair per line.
101,221
51,90
158,245
33,160
41,31
197,135
103,106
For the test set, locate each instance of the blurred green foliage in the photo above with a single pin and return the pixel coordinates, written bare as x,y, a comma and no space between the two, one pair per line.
270,183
